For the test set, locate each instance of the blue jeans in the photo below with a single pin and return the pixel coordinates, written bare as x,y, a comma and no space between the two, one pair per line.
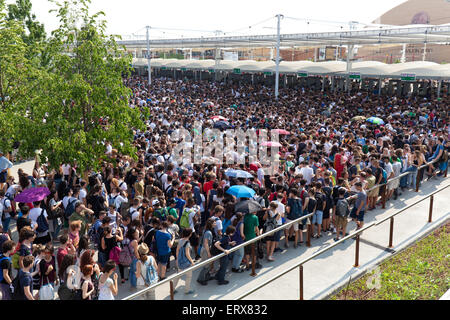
57,228
412,177
220,276
237,258
5,224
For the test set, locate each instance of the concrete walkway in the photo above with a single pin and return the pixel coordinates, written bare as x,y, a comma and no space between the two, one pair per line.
332,270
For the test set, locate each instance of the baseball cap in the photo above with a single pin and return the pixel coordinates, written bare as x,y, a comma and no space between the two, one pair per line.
155,202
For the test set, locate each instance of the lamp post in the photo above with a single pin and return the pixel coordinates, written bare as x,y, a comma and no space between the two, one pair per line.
148,60
277,68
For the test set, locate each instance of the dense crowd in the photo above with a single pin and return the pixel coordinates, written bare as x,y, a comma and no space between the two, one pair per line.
140,216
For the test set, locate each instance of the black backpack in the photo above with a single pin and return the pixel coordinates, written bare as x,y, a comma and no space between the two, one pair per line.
42,222
65,293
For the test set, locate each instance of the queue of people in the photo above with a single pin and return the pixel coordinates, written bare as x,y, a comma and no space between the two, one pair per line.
149,215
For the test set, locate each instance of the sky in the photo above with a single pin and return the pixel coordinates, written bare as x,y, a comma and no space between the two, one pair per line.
197,18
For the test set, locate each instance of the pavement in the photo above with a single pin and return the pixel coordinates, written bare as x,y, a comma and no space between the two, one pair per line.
332,270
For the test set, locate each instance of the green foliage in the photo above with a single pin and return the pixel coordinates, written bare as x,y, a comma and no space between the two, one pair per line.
420,272
75,101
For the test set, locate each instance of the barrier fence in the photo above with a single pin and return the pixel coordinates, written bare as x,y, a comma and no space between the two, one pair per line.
252,242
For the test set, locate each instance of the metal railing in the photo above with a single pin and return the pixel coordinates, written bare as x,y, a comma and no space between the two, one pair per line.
252,242
353,235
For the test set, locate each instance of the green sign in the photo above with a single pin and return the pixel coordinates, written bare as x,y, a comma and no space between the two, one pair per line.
302,74
408,77
211,70
237,71
354,75
183,69
268,73
163,68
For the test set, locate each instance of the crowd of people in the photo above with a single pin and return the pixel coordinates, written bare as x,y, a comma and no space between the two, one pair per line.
144,214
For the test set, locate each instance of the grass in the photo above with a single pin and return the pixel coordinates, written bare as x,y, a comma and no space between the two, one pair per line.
421,272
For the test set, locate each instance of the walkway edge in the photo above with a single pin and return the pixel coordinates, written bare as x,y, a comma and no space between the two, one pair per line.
339,286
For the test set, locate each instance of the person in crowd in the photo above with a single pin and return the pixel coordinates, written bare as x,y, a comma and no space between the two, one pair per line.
184,260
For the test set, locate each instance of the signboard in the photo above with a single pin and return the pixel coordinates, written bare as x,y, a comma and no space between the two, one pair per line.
163,68
268,73
303,74
237,71
211,70
408,76
354,75
183,69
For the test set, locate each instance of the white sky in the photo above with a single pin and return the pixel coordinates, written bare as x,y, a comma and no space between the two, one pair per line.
131,16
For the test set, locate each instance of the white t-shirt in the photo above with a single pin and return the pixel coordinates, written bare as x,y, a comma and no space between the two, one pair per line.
12,190
82,195
388,168
5,204
192,214
134,213
119,200
33,215
66,169
218,226
105,290
123,185
307,173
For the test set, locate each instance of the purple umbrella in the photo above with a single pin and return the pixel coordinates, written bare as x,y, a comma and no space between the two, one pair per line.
32,195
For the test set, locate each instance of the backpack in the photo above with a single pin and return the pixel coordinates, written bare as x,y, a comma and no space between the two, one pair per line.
42,222
161,214
182,261
270,223
15,260
125,257
384,173
151,275
296,209
64,293
342,208
70,209
93,234
1,273
184,220
166,161
328,198
112,200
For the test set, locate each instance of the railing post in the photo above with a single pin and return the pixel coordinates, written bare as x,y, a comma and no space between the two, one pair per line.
357,252
417,181
253,274
391,233
383,197
446,170
308,234
171,290
301,281
430,215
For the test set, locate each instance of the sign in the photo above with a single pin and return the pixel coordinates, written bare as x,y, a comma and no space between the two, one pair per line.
354,75
183,69
211,70
163,68
237,71
303,74
408,76
268,73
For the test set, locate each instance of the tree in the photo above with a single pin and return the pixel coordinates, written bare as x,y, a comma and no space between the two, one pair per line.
19,80
84,101
33,32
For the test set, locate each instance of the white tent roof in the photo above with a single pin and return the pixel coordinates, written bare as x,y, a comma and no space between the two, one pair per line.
422,69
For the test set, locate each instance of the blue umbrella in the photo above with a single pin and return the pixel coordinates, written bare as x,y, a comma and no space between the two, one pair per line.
241,191
238,174
375,120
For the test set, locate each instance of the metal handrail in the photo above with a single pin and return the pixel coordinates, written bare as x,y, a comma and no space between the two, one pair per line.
215,258
356,233
246,243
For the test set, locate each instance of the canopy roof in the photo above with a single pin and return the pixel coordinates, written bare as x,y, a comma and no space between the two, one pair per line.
369,69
